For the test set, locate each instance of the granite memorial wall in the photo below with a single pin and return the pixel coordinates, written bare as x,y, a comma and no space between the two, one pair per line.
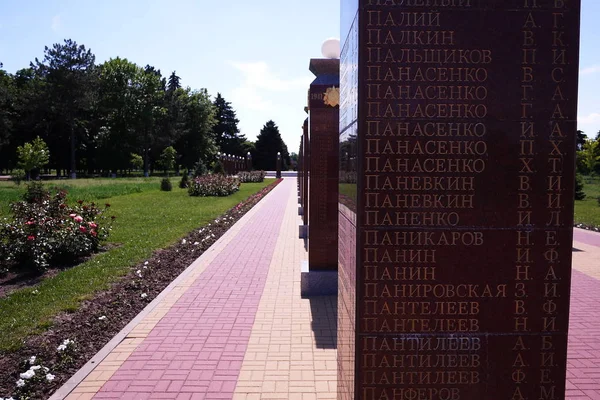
457,146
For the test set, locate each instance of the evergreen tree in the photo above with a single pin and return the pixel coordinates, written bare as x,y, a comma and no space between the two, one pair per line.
7,112
226,132
70,78
174,82
268,143
579,192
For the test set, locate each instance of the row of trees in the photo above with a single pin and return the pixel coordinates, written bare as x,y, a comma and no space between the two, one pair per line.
100,118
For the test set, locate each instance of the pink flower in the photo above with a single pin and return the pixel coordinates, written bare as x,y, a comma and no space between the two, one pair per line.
72,215
92,225
78,218
30,223
83,229
94,233
30,238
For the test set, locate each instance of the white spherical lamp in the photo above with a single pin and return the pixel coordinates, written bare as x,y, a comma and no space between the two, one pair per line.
331,48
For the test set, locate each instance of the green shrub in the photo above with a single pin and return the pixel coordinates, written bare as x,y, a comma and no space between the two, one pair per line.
36,193
200,168
165,185
44,229
252,176
18,176
185,180
579,193
218,168
214,185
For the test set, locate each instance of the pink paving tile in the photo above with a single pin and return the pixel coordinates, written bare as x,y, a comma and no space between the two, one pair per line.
583,377
200,343
587,237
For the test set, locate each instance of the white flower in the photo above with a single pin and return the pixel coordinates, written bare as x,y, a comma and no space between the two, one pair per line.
196,243
183,241
46,369
67,342
102,318
144,295
20,383
139,273
146,263
35,292
32,360
36,367
50,377
62,347
27,374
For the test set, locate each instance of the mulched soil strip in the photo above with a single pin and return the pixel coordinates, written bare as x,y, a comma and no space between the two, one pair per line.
119,304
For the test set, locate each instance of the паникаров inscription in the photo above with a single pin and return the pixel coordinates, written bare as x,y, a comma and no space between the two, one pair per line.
460,117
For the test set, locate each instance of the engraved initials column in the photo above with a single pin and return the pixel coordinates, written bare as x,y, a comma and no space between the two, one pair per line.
455,240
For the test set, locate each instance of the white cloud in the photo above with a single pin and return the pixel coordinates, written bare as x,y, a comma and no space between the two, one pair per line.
249,98
589,119
56,23
260,83
260,76
590,70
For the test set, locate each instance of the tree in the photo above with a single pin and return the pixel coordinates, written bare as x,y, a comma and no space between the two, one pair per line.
581,138
119,108
7,112
196,141
136,161
590,156
226,131
149,110
167,159
268,143
294,160
33,156
70,76
174,82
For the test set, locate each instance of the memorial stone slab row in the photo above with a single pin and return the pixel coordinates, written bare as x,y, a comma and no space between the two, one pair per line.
320,179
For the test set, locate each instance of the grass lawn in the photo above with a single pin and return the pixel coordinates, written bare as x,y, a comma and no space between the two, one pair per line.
146,221
84,189
587,211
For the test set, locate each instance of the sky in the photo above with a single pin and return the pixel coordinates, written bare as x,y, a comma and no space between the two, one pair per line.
255,53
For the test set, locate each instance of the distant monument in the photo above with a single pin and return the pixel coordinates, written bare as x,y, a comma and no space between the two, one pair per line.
457,146
319,277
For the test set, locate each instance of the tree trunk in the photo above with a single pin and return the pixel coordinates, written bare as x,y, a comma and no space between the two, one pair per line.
73,162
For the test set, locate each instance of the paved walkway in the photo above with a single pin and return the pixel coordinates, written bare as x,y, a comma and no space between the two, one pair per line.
234,326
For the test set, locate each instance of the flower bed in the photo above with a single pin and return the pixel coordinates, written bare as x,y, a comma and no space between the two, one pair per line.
44,229
251,176
214,185
100,318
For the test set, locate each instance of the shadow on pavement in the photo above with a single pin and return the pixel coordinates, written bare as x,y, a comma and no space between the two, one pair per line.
324,321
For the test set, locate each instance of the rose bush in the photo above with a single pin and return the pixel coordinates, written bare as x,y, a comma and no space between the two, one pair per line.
213,185
45,229
252,176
